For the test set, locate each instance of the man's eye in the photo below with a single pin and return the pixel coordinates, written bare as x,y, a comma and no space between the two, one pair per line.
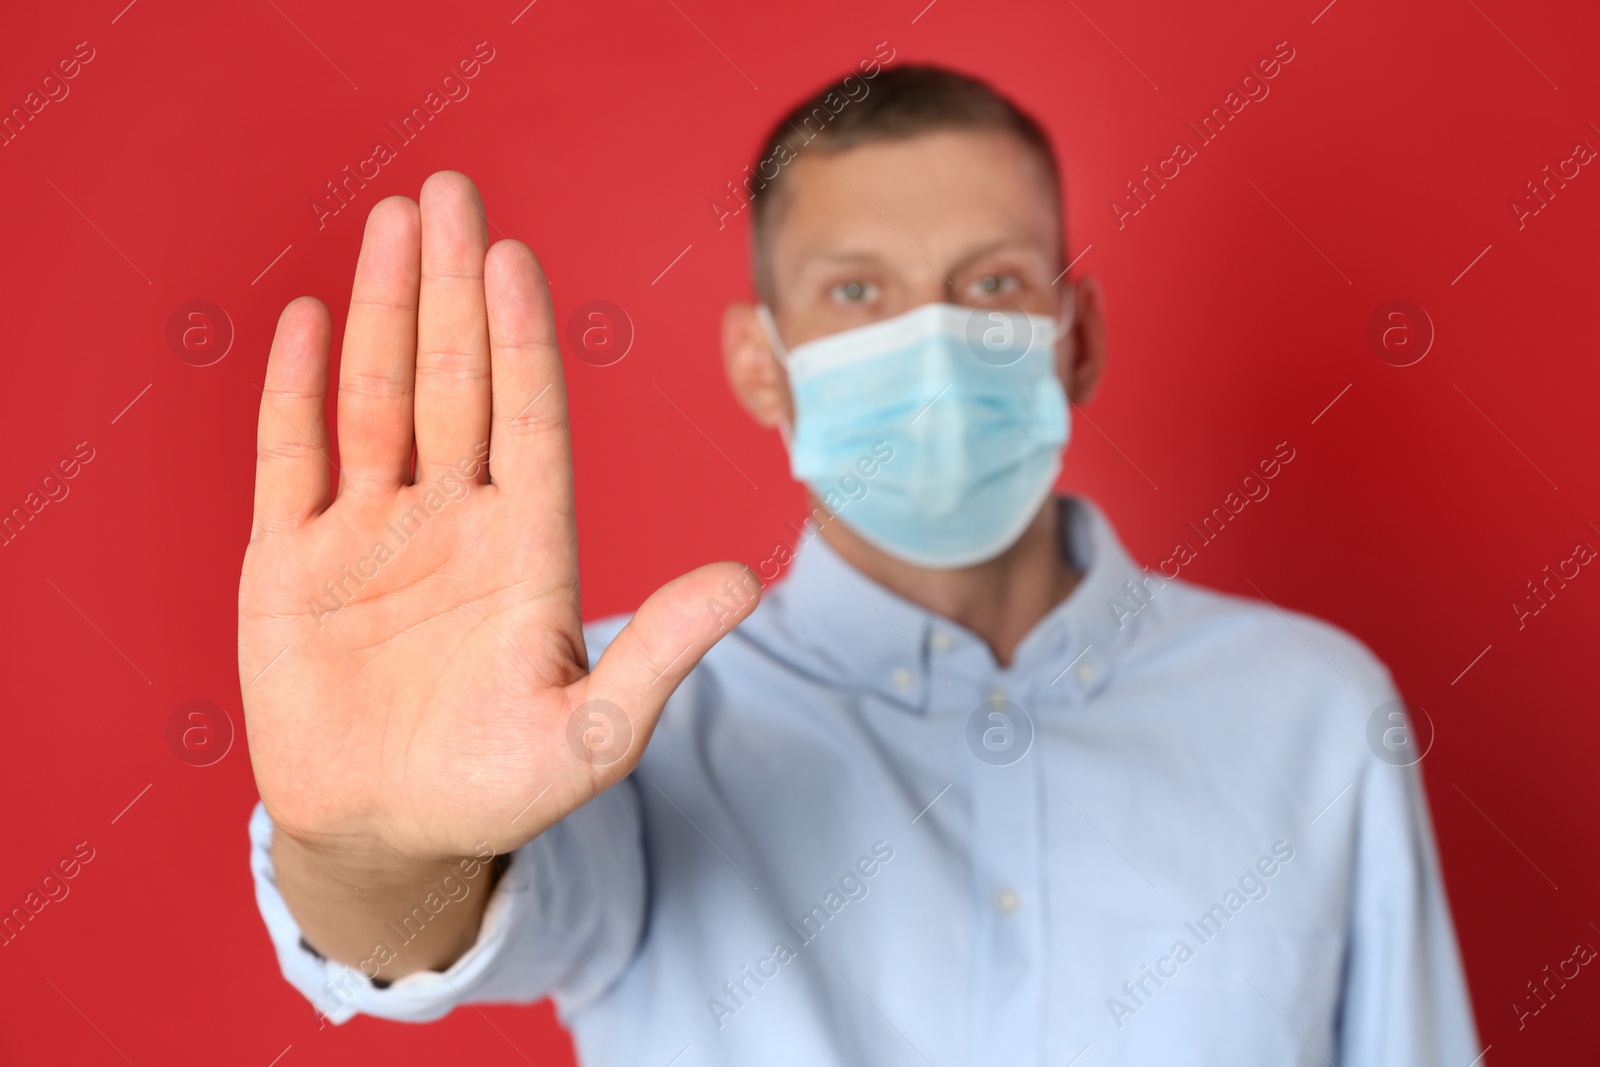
995,285
854,293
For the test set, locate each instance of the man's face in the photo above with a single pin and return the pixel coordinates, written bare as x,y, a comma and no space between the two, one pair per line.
961,217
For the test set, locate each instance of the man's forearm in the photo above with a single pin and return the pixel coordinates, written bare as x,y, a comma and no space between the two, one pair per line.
386,917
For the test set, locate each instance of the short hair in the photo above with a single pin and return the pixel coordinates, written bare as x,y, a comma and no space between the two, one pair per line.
895,104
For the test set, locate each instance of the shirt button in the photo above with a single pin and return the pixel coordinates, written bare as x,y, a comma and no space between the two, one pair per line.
1086,673
1007,901
903,680
941,641
997,697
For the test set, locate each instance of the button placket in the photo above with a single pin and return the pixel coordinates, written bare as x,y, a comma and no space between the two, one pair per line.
1006,849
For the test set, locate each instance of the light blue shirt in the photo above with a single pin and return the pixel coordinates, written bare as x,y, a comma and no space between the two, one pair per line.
1159,837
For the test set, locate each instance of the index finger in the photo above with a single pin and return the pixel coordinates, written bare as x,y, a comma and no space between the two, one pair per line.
530,450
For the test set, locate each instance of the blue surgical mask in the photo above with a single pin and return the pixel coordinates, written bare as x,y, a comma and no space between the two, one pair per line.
966,405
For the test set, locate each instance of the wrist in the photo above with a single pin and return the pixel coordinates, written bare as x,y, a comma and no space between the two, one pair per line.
369,866
389,914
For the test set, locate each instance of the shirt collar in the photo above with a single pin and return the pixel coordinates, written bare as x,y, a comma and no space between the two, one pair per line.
870,638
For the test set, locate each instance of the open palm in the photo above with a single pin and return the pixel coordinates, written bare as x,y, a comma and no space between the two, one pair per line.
411,651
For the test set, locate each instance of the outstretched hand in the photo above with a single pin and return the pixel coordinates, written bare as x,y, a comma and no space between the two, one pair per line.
410,644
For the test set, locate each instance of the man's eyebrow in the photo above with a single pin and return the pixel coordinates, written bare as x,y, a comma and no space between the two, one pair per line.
844,256
1002,244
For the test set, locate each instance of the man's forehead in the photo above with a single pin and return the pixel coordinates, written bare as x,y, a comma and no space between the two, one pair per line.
948,193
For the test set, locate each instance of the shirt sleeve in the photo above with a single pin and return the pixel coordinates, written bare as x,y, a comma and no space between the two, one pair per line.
1405,1000
564,921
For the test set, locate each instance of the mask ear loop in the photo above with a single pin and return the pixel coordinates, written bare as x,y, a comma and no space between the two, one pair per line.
1064,321
1069,310
770,327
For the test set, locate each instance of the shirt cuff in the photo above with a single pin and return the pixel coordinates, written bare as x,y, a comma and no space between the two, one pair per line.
340,992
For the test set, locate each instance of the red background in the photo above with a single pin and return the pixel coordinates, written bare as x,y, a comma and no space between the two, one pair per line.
1417,507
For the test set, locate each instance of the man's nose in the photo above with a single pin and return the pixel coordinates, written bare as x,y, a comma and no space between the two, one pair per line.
929,286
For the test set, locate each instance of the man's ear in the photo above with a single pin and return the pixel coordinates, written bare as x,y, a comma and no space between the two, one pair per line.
1087,350
755,375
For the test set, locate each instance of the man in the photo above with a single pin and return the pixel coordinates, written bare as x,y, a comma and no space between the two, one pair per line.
969,787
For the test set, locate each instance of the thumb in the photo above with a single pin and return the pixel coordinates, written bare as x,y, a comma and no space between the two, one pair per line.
618,703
